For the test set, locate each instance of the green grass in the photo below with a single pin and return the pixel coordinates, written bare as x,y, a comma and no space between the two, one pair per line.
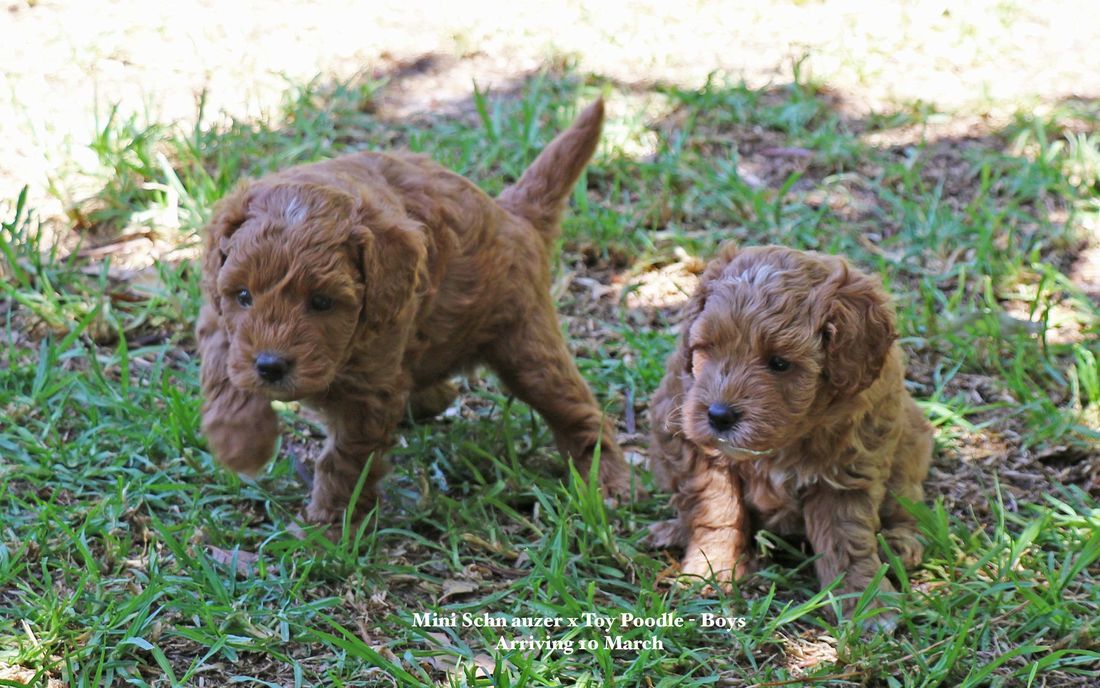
127,557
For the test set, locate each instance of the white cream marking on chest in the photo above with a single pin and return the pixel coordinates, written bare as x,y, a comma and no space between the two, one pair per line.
778,479
791,480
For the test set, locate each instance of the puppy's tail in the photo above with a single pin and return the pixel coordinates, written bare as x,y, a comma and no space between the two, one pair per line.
541,193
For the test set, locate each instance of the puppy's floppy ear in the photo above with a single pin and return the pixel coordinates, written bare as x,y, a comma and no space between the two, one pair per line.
394,259
857,328
698,301
229,215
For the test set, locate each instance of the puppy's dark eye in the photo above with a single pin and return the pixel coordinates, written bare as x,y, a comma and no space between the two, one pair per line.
244,297
778,364
317,302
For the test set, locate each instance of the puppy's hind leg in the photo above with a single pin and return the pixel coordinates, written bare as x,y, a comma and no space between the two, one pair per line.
534,363
240,427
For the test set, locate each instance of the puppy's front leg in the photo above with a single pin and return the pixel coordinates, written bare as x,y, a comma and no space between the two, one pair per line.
711,505
240,427
841,525
360,428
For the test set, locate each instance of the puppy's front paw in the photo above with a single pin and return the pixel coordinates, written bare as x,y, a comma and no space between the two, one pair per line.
722,570
333,521
616,482
329,506
329,523
884,622
903,541
630,491
322,515
243,442
876,616
664,534
429,402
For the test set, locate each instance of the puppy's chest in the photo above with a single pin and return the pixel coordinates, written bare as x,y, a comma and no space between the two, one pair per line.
774,496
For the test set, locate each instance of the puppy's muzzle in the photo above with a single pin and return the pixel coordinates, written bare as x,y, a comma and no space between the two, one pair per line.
722,417
271,367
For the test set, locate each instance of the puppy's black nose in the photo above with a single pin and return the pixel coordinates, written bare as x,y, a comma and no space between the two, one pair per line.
271,368
722,417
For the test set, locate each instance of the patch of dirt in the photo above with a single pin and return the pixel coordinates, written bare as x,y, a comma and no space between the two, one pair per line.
67,63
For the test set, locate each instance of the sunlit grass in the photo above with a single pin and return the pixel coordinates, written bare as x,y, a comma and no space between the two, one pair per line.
128,557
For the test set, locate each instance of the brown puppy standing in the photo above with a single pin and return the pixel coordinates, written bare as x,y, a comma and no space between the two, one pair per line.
784,406
356,283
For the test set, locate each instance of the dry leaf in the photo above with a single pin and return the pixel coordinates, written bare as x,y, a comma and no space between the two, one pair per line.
441,662
246,561
17,675
450,663
453,587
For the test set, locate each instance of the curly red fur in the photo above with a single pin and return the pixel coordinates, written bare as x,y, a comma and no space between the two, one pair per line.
424,275
822,448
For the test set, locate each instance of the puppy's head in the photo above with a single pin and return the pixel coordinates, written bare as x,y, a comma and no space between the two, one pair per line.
301,272
773,338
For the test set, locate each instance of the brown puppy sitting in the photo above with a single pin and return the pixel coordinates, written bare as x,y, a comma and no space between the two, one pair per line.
360,284
784,407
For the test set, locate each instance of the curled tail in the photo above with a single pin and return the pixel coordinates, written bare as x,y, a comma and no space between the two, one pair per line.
541,193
